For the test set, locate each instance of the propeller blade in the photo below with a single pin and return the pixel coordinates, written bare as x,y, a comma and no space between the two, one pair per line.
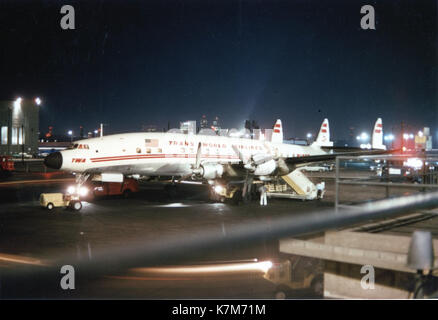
198,156
240,154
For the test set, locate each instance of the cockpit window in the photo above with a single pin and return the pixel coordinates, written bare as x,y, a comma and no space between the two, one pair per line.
79,146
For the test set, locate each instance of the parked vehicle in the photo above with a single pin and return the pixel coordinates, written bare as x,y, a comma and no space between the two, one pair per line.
315,168
297,273
100,189
6,164
53,200
22,155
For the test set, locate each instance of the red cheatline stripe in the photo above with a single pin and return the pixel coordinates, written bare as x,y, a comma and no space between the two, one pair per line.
160,156
183,155
278,126
276,131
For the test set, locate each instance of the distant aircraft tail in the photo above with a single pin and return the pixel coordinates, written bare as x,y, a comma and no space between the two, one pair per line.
377,139
277,133
323,139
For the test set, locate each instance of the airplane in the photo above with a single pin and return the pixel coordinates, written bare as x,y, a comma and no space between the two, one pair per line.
198,157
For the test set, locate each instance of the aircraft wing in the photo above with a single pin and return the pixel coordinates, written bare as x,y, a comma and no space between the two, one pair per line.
332,156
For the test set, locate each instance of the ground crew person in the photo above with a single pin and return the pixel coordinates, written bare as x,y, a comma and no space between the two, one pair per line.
263,198
320,189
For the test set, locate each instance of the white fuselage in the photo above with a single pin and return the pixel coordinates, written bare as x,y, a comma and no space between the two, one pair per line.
167,154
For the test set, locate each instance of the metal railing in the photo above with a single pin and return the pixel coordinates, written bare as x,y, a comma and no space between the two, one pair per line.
429,179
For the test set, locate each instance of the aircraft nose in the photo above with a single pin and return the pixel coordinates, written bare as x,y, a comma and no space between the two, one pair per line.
53,160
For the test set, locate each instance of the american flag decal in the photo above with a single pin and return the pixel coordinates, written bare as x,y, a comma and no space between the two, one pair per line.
151,142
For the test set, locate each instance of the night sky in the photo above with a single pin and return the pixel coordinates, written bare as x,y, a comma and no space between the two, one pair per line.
134,63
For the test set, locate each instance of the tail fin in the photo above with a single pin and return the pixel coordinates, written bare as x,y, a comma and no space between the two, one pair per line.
277,133
377,139
323,139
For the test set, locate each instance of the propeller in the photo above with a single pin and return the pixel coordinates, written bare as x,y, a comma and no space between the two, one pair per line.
245,160
196,168
247,164
281,163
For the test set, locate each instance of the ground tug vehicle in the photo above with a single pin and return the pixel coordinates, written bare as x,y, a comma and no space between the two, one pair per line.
52,200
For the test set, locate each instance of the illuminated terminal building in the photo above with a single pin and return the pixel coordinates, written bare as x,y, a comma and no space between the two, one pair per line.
19,123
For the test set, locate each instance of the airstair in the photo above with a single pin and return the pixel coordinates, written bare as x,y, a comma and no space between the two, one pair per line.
295,185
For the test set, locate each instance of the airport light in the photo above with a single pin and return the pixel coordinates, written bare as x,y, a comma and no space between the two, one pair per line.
362,137
309,135
218,189
83,191
420,133
17,102
38,101
414,163
389,137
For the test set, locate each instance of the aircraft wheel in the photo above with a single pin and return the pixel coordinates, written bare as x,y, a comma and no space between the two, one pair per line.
50,206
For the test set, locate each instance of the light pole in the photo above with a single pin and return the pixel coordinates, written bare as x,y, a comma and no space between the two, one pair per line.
309,137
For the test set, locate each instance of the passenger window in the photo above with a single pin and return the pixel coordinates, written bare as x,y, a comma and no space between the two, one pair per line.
160,150
148,150
138,150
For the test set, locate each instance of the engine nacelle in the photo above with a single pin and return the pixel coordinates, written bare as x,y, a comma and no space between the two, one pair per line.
266,168
211,171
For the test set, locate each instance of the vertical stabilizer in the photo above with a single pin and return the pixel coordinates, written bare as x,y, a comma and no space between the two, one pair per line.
323,139
377,139
277,132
